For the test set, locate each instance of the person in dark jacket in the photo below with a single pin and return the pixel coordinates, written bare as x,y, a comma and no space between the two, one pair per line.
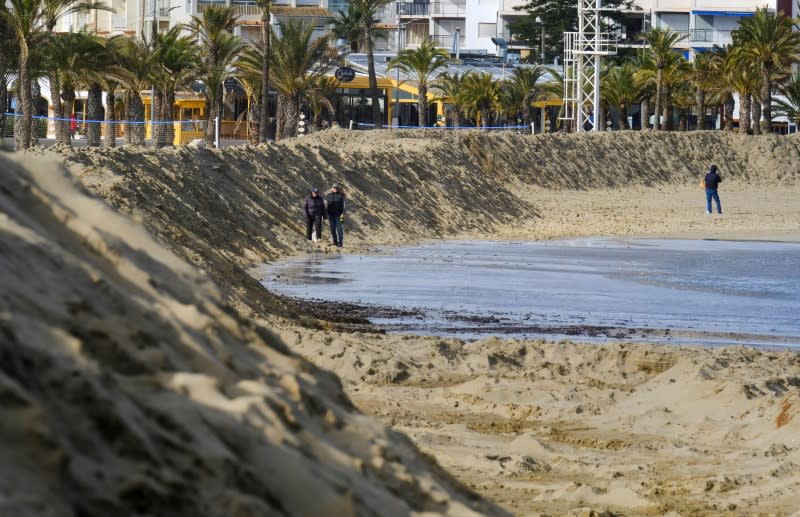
712,181
336,208
314,210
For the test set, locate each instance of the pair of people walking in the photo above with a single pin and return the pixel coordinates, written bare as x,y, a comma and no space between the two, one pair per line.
332,208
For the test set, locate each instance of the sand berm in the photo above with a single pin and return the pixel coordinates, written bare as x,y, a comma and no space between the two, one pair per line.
144,370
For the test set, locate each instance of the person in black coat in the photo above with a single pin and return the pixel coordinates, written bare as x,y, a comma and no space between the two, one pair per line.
712,181
336,207
314,210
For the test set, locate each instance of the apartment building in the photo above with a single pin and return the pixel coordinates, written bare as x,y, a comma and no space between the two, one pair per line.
135,17
704,23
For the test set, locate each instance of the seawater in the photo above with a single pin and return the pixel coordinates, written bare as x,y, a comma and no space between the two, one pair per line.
595,289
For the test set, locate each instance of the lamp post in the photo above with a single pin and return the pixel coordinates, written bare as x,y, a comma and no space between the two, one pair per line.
395,114
541,22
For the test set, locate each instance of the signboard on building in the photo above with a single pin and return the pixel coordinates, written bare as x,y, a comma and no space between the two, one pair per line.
345,74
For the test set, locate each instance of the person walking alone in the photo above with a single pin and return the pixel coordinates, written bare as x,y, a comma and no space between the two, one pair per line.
712,181
336,207
314,209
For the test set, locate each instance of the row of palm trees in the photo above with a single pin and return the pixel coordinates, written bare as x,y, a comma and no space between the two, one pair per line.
295,65
755,66
206,50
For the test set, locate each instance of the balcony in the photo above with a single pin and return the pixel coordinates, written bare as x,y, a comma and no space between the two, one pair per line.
239,7
444,9
446,41
710,37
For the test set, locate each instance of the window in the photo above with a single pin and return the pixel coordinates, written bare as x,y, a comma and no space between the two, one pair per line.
487,30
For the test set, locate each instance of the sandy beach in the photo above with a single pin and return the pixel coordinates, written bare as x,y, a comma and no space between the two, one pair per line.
160,312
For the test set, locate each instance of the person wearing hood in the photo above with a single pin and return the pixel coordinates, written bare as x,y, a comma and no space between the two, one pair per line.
712,181
314,210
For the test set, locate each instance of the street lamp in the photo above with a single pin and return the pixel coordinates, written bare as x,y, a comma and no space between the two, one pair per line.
541,22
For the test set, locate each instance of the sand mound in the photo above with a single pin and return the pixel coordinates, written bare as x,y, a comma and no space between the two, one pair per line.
128,387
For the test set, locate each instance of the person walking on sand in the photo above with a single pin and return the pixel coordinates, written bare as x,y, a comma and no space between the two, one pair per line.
336,207
712,181
314,210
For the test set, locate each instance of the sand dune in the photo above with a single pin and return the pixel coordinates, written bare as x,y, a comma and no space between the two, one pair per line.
130,387
181,344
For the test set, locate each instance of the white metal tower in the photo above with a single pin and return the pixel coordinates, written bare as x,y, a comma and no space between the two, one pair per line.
582,53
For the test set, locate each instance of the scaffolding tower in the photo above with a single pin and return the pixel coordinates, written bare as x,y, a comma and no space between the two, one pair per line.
582,53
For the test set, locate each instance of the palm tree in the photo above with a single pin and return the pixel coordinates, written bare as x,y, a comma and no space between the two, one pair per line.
526,81
175,61
24,19
52,12
621,89
249,73
481,96
661,42
703,78
348,26
27,19
8,56
674,74
789,104
723,61
744,78
322,91
450,91
134,73
213,30
369,10
645,77
297,60
420,64
71,57
110,81
266,37
770,40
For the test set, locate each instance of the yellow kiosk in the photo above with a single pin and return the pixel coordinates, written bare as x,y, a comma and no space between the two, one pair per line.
188,115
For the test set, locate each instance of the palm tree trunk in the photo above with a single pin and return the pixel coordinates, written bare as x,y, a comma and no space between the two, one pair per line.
211,114
701,109
167,116
422,105
95,113
667,101
126,117
157,128
68,96
111,119
755,113
59,123
22,137
728,107
377,118
266,30
3,104
623,117
744,113
135,114
659,88
766,97
253,120
645,114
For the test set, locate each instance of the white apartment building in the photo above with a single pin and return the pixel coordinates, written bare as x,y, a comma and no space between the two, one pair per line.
464,25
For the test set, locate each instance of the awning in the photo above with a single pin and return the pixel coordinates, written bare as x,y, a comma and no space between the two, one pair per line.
722,13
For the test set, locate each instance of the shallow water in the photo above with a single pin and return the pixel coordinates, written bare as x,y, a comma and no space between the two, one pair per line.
596,289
